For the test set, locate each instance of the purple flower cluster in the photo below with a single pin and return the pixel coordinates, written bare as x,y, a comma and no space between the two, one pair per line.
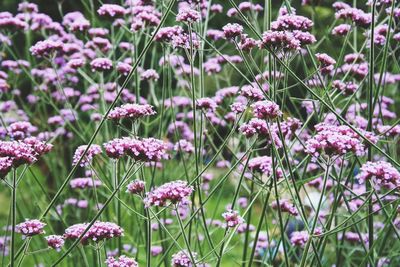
86,182
101,64
30,228
232,30
17,153
260,127
132,111
172,192
111,10
232,218
87,159
183,259
299,238
46,48
55,241
122,261
356,15
97,232
382,173
341,30
266,110
285,206
146,149
263,164
188,15
334,140
136,187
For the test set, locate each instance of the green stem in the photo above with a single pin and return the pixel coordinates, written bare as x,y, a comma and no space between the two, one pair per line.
14,215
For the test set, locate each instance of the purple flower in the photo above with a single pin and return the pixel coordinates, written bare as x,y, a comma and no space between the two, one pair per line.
292,22
182,259
382,173
358,16
232,218
20,130
101,64
188,15
206,103
86,182
280,40
232,30
252,92
30,227
184,146
46,48
156,250
55,241
149,75
263,164
135,187
111,10
299,238
147,149
6,164
97,232
132,111
19,152
122,261
266,110
285,206
336,140
87,159
341,30
172,192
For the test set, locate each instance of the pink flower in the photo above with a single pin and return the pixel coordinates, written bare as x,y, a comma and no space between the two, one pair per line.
232,30
182,259
149,74
358,16
101,64
55,241
30,227
146,149
132,111
280,40
172,192
292,22
184,146
341,30
382,173
263,164
111,10
335,140
46,47
188,15
232,218
87,182
97,232
87,159
299,238
266,110
285,206
5,166
136,187
206,103
122,261
252,92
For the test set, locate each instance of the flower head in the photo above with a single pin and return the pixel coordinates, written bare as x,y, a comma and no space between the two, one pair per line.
172,192
30,227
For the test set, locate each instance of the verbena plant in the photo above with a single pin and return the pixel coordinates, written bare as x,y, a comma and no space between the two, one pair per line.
200,133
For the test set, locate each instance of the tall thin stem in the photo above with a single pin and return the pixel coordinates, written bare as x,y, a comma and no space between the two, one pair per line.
14,215
311,233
